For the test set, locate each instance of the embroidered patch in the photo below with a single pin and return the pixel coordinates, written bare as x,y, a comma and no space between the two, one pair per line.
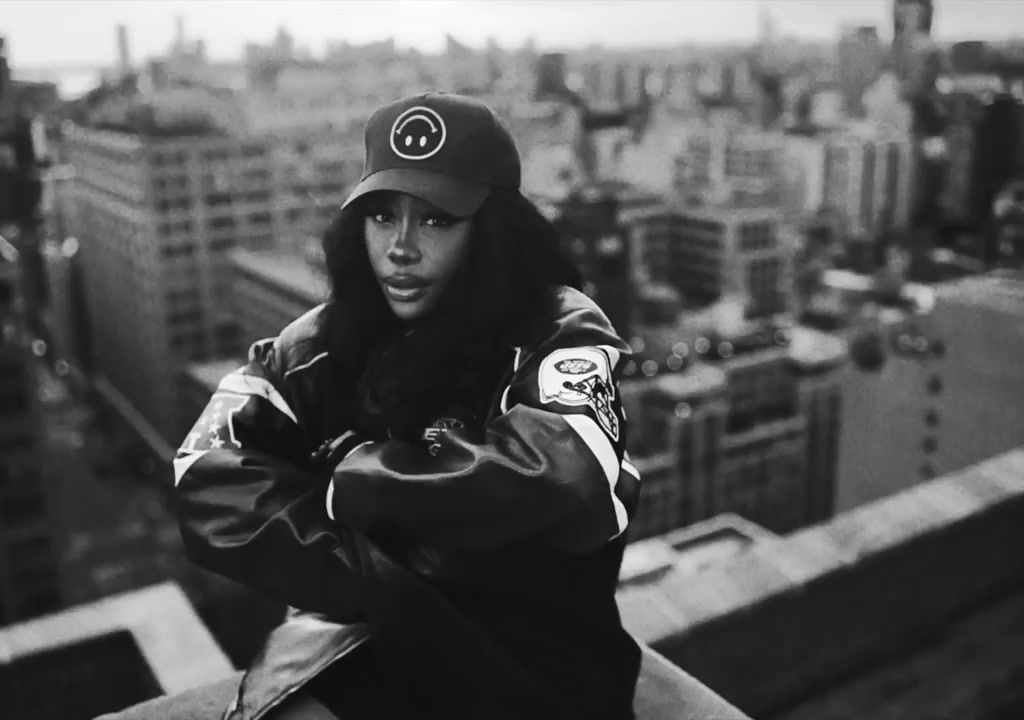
432,435
418,133
580,377
215,427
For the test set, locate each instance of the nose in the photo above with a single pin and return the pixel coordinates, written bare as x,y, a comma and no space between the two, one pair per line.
404,248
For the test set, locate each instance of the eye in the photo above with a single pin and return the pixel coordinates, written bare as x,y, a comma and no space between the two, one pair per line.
379,215
439,220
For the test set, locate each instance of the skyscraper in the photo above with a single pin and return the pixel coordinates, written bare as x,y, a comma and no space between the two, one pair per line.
157,217
861,57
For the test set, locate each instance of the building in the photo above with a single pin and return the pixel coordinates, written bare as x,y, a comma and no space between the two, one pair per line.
750,428
102,656
863,176
861,56
592,221
674,439
270,288
726,162
946,386
984,152
707,252
907,607
980,319
28,568
691,549
911,43
65,317
157,218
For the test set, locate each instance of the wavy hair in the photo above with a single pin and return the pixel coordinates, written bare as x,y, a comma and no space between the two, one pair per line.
397,379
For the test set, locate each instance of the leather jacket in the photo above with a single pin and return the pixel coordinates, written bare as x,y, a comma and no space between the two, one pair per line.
481,569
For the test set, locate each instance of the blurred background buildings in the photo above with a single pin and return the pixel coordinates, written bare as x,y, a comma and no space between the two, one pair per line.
814,249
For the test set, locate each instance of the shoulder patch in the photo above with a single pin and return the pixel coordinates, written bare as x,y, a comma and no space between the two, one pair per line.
578,377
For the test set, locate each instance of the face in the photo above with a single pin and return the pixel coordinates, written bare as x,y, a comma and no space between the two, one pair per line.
415,249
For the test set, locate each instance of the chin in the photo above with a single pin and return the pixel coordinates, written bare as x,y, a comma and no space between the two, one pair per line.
408,312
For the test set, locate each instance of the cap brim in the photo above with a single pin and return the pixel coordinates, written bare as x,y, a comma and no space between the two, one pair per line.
456,197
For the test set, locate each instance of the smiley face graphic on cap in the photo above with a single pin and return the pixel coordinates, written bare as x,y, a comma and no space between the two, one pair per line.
418,133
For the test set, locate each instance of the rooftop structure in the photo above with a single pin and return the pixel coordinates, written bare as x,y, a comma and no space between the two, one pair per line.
102,656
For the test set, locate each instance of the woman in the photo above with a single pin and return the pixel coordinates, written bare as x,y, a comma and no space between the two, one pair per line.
430,466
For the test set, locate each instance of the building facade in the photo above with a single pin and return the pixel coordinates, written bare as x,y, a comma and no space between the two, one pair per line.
29,583
708,252
751,428
156,220
863,176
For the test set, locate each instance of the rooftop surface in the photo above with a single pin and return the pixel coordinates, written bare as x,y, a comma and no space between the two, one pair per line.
284,269
1002,291
177,647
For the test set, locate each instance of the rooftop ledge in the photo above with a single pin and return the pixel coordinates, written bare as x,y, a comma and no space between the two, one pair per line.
780,618
664,692
175,662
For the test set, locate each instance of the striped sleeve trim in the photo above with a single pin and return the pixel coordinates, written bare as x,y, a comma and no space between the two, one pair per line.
330,485
598,443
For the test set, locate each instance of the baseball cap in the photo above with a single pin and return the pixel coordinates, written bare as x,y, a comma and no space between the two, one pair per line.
444,148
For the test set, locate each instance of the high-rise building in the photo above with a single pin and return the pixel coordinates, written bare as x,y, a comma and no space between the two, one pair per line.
752,429
985,151
912,26
865,178
861,58
28,566
675,437
708,252
591,221
157,217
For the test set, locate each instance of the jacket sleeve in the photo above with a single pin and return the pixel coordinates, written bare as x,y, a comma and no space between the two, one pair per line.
551,468
249,505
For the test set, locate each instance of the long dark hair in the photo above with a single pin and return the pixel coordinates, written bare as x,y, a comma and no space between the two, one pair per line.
397,379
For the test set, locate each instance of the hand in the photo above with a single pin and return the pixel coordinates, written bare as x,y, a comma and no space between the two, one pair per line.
331,452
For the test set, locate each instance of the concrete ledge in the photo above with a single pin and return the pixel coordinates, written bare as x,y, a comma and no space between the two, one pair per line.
664,692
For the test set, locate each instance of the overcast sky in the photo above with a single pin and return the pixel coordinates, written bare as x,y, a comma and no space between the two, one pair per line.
58,32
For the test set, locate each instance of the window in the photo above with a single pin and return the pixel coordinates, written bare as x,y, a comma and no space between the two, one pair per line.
219,244
178,251
218,199
221,223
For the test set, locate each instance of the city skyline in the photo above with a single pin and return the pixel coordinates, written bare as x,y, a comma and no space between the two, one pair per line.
87,37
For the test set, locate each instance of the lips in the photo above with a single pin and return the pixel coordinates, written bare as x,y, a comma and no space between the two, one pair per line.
405,288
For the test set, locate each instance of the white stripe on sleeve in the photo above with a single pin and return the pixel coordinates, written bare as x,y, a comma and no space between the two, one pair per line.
241,382
182,464
330,485
595,439
613,355
515,368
